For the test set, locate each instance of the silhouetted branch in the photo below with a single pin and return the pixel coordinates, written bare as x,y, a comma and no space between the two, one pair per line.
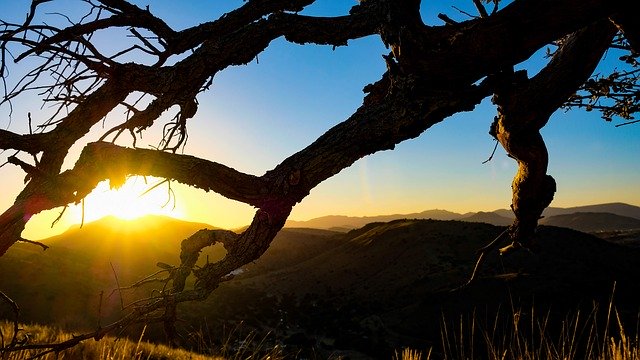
16,329
482,252
38,243
433,73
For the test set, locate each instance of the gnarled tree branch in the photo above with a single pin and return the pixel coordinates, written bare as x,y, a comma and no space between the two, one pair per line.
433,72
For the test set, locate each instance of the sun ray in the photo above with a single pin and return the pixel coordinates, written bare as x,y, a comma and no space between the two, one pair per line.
137,197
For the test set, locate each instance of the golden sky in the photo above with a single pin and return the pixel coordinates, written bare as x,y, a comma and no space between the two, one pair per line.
257,115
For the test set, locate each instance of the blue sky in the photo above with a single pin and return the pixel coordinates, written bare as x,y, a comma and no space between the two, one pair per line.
257,115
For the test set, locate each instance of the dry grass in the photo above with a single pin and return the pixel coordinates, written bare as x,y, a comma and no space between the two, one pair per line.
530,337
527,337
111,348
411,354
108,348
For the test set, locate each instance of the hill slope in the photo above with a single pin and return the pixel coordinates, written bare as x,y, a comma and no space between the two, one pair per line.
488,218
592,222
63,284
401,275
353,222
618,208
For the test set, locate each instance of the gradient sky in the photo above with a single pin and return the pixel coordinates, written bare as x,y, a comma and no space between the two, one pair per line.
257,115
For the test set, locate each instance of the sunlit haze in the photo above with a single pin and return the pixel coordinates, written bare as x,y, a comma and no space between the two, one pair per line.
257,115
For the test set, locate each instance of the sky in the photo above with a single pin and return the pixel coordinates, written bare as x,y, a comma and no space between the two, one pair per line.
257,115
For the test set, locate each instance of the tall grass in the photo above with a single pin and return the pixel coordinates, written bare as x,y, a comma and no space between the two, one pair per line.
108,348
238,345
531,336
524,336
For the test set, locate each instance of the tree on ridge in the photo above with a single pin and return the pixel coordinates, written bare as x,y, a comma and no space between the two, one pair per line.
432,73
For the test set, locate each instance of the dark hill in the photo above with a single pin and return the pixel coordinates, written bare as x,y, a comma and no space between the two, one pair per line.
382,258
401,276
593,222
488,218
621,209
353,222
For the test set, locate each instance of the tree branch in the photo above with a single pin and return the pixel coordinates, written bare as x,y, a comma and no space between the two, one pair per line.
524,107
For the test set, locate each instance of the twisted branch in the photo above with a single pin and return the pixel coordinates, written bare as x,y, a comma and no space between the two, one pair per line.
432,73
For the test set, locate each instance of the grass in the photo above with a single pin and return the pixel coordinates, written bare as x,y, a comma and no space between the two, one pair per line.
529,336
108,348
526,336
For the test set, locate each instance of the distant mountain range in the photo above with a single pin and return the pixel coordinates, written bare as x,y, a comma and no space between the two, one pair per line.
344,223
590,218
592,221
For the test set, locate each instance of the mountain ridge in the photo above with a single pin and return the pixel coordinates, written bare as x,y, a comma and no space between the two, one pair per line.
498,217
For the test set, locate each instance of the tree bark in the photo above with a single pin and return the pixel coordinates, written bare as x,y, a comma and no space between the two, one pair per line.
524,107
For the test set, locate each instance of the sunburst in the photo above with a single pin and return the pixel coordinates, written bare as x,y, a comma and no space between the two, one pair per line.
137,197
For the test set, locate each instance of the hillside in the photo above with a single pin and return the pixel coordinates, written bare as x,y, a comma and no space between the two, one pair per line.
592,222
488,218
401,274
353,222
63,284
621,209
387,282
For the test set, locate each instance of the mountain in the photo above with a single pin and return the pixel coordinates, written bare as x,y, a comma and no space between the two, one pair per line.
592,221
500,217
488,218
353,222
148,239
64,283
621,209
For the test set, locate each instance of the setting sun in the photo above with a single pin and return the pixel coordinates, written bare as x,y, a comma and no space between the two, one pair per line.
135,198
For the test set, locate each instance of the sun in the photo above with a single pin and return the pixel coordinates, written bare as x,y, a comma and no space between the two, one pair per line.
137,197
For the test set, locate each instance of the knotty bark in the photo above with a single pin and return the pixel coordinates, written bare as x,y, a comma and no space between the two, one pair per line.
524,107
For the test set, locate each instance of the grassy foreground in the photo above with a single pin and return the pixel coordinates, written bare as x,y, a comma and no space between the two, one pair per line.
108,348
578,338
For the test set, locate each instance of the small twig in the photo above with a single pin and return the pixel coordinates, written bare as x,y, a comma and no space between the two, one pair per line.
99,324
16,312
482,252
447,19
492,153
38,243
170,195
118,285
490,246
153,187
145,41
82,216
59,216
481,9
464,12
495,7
628,123
146,280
